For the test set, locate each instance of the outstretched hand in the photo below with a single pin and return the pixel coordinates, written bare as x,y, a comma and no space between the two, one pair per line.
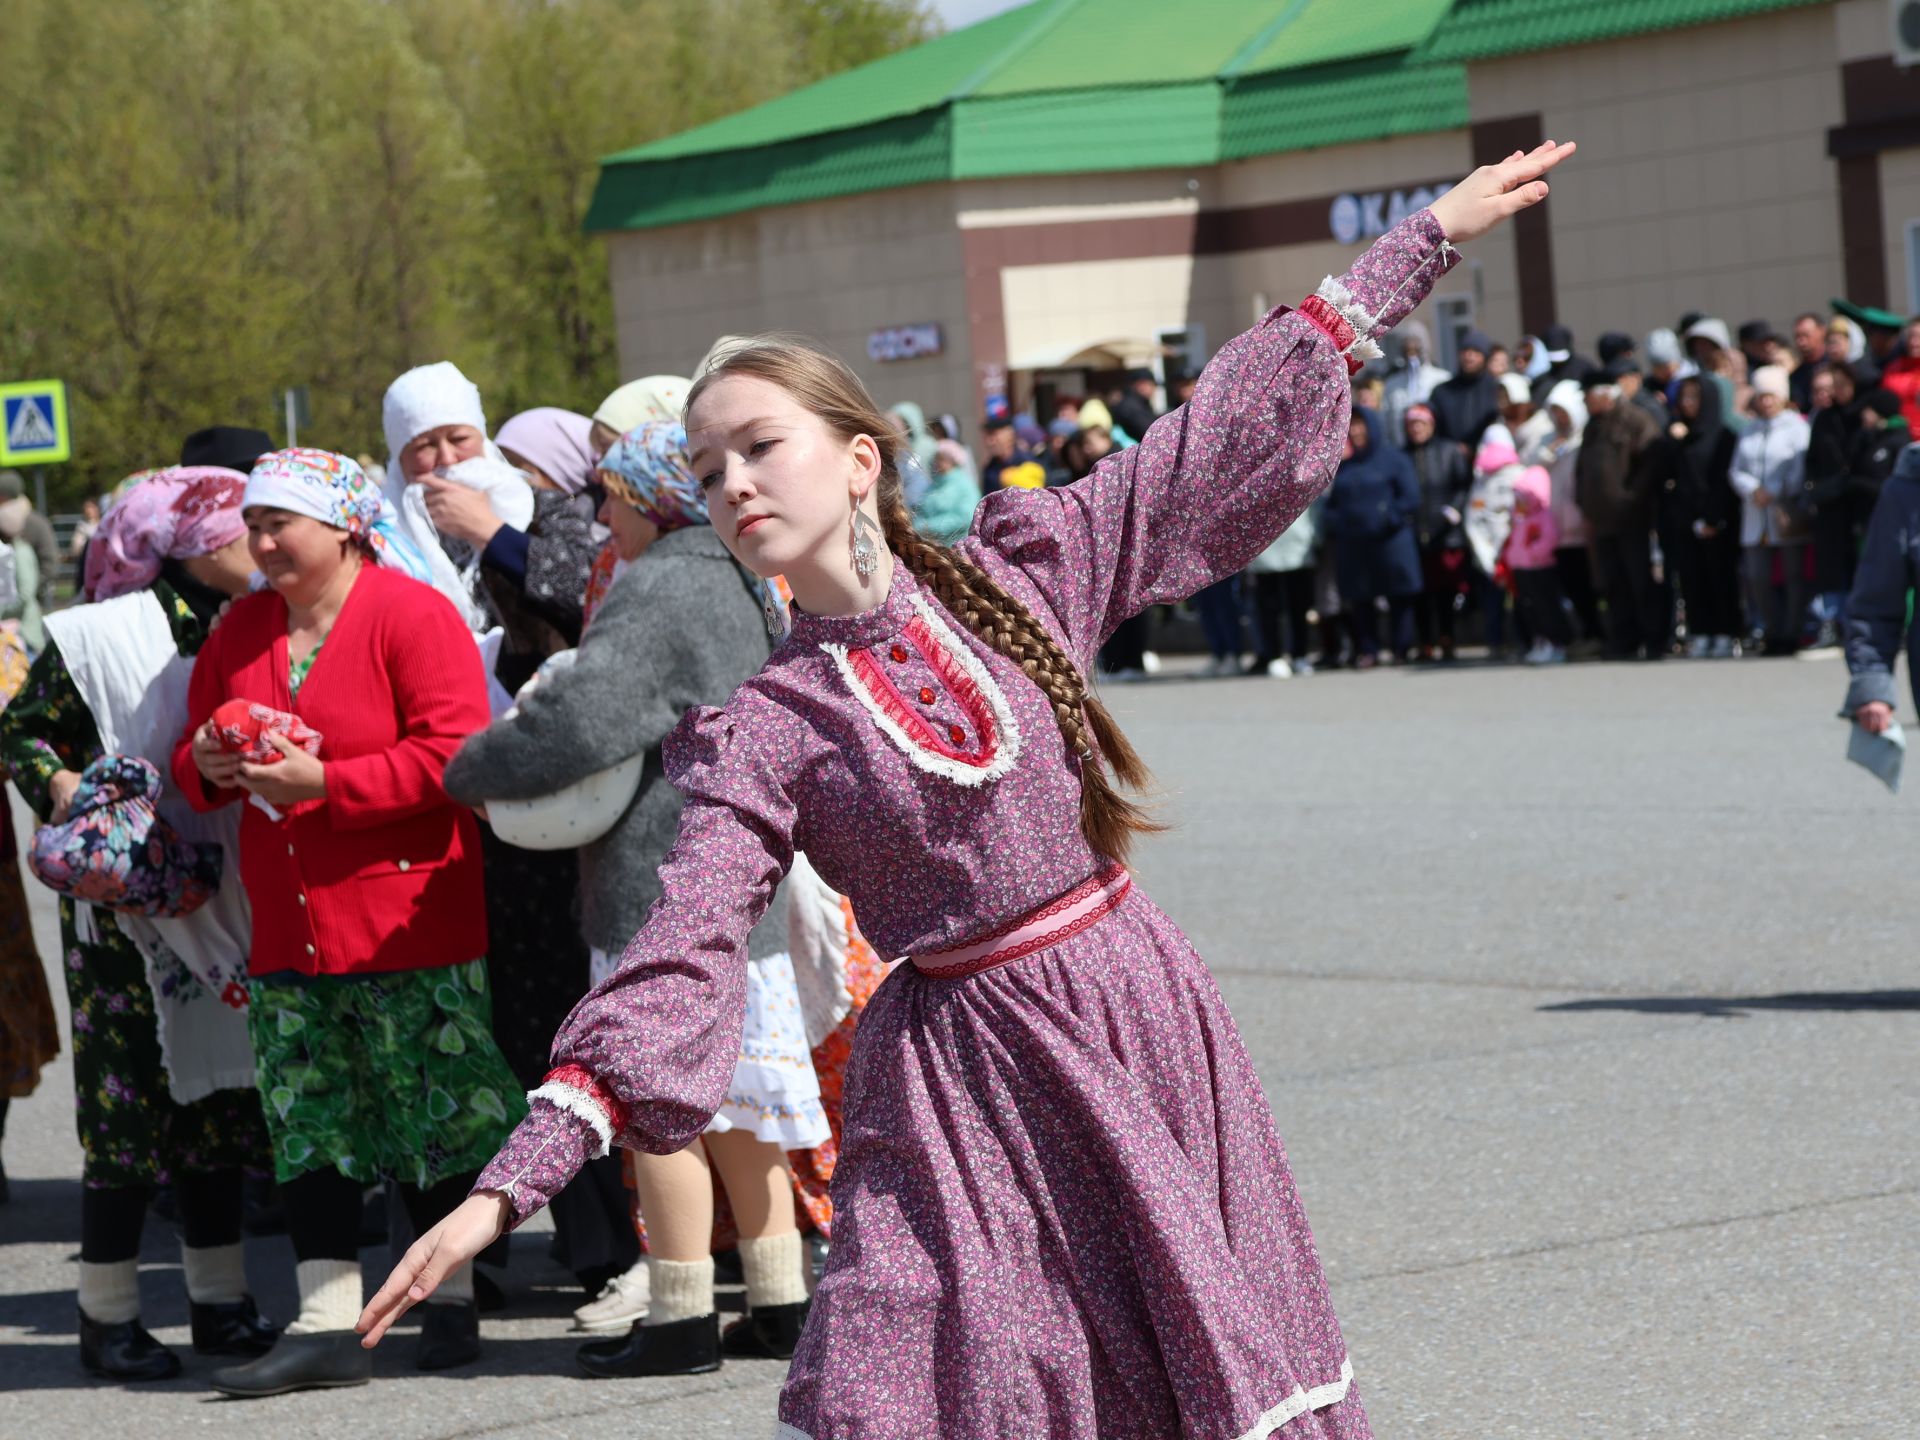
476,1224
1494,193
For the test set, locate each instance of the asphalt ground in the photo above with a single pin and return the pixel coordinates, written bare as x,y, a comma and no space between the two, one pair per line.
1586,1001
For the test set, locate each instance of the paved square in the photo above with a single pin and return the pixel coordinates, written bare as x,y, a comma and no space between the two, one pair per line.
1586,1000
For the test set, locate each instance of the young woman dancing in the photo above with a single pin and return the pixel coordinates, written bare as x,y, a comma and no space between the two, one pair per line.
1063,1209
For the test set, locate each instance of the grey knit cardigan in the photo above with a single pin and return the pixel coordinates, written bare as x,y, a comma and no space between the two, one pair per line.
680,627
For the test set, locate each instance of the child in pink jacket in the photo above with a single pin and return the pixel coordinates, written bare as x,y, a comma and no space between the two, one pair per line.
1529,556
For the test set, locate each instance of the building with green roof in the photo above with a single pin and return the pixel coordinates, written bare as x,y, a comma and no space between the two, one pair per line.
1029,204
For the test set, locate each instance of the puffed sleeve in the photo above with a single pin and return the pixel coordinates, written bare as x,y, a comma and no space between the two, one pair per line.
645,1059
1214,482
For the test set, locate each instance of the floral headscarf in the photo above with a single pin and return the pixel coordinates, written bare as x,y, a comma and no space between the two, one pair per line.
648,469
334,490
172,514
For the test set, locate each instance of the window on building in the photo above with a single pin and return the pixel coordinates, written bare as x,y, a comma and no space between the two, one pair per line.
1913,267
1453,317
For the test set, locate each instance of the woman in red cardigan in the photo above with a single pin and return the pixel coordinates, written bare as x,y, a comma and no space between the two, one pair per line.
370,1010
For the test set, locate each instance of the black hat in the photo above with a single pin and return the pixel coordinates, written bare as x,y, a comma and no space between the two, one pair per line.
1604,375
1882,401
1687,321
1557,337
1615,345
232,447
1755,332
1139,373
1477,340
996,422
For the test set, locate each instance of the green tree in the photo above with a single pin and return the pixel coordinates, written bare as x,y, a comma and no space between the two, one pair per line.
203,202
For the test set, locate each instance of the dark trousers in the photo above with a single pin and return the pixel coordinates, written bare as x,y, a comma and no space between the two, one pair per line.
1364,618
1282,595
1779,618
111,1217
1449,577
1127,648
1709,574
1575,564
323,1211
1543,605
1634,609
1219,609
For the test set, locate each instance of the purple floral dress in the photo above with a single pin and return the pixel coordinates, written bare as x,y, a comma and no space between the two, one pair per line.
1062,1208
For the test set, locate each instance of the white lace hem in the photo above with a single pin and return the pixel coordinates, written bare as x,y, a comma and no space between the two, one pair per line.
1291,1408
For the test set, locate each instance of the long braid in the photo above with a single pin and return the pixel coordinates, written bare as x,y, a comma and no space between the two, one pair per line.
1108,819
824,384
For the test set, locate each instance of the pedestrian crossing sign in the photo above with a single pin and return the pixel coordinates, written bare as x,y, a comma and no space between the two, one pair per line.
33,423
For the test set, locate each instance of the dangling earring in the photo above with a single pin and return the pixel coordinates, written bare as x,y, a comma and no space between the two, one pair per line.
866,555
770,608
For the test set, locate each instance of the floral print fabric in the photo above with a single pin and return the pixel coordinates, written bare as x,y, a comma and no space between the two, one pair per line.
131,1130
115,850
393,1075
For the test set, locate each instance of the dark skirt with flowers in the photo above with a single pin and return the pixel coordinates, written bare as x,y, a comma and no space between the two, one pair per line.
131,1130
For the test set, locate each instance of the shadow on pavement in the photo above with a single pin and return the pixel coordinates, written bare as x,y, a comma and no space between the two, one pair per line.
1734,1006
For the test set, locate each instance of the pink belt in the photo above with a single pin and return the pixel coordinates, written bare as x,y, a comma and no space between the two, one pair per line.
1057,920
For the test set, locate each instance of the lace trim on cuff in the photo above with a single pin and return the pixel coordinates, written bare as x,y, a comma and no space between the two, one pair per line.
573,1089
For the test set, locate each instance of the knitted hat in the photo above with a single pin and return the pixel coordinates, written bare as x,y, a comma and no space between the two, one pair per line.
1771,380
1515,390
1663,348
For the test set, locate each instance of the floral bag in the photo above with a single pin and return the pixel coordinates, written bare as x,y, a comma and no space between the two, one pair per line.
114,849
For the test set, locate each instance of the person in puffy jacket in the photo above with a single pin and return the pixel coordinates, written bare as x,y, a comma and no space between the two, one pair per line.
1769,474
1370,517
1536,575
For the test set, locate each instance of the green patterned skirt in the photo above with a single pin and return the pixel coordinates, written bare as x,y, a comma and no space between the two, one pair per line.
382,1076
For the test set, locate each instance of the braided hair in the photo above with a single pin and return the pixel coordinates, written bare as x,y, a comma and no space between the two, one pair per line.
823,384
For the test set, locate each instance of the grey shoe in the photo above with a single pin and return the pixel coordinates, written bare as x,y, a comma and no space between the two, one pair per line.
328,1360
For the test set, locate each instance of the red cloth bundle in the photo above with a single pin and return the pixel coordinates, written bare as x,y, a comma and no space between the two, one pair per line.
242,726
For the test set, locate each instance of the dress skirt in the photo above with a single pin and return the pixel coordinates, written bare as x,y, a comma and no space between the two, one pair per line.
1062,1210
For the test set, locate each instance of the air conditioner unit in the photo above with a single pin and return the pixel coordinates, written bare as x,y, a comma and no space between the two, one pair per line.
1906,32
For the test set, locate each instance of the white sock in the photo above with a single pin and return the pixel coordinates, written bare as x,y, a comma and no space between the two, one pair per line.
110,1293
681,1290
775,1269
456,1289
216,1275
329,1296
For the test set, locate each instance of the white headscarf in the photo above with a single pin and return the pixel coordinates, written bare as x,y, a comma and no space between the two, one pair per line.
424,399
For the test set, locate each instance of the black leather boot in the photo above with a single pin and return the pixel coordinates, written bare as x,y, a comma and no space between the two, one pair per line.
769,1333
449,1336
680,1347
232,1329
328,1360
124,1351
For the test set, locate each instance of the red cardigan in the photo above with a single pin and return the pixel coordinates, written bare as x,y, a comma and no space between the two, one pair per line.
384,874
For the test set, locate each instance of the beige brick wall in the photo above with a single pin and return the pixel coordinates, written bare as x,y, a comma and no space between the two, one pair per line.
1703,180
836,270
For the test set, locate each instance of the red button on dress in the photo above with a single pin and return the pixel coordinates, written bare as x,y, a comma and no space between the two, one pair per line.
926,695
899,654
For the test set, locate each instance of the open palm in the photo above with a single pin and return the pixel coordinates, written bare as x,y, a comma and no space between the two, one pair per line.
1494,193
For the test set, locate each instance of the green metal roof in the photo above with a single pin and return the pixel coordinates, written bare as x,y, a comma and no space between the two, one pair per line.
1070,86
1484,29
